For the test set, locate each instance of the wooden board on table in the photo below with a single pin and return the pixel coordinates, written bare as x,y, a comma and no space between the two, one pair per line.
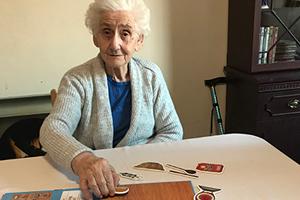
166,190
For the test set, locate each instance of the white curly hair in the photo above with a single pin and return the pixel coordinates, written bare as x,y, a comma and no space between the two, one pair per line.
137,7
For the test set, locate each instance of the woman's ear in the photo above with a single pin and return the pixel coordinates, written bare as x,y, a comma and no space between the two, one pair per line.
140,42
95,41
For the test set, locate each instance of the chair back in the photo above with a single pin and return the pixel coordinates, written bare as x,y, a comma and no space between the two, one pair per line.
53,94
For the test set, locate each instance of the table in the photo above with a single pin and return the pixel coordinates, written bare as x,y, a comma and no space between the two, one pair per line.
254,169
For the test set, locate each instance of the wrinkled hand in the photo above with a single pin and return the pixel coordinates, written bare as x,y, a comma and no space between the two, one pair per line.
96,175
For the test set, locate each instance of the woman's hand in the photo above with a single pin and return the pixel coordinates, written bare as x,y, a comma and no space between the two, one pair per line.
96,175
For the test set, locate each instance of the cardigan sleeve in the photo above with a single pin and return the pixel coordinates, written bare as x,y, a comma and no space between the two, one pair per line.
56,134
167,123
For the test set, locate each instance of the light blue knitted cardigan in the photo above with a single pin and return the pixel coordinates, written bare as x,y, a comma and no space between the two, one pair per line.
81,119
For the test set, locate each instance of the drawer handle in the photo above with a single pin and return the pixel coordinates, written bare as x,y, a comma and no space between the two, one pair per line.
293,104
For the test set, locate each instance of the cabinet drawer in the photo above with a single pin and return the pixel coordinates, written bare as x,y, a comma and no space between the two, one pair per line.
280,105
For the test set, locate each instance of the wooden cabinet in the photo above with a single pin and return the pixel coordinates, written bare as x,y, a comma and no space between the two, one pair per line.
263,72
266,105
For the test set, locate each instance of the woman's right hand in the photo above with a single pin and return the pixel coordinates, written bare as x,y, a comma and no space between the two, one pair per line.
96,175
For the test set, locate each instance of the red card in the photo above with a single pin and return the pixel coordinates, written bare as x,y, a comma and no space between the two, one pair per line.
209,167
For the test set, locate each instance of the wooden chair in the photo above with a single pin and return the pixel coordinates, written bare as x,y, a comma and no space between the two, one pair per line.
53,94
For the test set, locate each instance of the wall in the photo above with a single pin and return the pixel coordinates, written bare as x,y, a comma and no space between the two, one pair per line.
188,42
192,37
38,43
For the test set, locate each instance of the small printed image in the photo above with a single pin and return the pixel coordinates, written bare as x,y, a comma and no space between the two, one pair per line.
209,167
32,196
71,195
130,176
150,166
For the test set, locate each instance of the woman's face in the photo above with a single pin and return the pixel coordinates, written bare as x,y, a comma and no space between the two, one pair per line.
117,38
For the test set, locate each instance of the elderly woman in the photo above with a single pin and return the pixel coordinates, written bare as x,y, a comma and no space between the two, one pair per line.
112,100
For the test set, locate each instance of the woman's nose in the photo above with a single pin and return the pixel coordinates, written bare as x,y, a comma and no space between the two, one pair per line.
116,41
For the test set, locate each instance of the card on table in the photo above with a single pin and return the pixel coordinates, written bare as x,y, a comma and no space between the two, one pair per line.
208,189
130,176
206,193
150,166
32,196
210,167
44,195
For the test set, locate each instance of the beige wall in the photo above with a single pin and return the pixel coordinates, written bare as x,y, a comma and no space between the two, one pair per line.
189,41
39,41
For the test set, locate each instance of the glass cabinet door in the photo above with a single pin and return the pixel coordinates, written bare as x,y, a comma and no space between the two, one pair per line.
279,33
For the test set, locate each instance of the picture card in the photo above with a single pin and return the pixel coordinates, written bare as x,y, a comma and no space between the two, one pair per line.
210,167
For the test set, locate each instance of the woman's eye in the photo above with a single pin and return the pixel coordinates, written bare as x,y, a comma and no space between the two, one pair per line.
126,33
106,32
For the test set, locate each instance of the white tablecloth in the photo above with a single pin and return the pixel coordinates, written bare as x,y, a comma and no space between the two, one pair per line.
253,168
